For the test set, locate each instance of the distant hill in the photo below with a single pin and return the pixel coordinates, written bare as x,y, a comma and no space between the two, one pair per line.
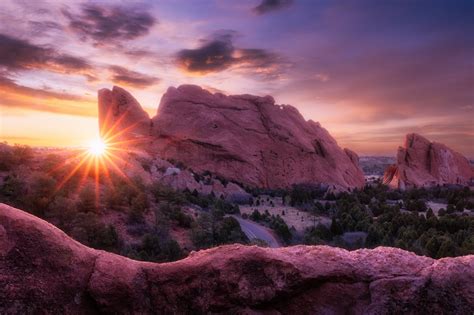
375,165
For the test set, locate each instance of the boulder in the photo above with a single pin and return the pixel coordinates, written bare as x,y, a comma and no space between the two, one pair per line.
179,179
247,139
421,163
43,271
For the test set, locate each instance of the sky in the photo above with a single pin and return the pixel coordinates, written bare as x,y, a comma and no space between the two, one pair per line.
369,71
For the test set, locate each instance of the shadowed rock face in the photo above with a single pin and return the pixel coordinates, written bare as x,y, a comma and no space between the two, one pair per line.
421,163
44,271
121,115
244,138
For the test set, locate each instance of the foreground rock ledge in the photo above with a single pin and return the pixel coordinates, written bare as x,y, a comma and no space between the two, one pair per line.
42,270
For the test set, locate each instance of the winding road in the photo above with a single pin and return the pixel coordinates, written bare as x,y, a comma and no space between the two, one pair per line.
255,231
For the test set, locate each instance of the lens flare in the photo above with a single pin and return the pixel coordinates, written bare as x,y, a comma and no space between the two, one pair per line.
97,147
103,158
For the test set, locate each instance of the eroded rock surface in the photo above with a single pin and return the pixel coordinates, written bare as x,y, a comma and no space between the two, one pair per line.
245,138
44,271
120,115
421,163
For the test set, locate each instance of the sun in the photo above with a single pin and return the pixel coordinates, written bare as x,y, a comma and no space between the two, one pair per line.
97,147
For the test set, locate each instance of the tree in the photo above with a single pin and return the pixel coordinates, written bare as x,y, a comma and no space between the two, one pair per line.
140,206
22,154
13,189
229,232
7,160
280,228
158,247
255,216
87,200
432,246
336,227
447,248
203,232
40,193
429,213
460,206
315,234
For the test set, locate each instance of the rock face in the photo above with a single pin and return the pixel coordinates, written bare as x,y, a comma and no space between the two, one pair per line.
421,163
121,116
43,271
244,138
184,180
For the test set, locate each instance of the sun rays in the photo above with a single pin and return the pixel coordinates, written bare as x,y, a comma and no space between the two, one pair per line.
102,159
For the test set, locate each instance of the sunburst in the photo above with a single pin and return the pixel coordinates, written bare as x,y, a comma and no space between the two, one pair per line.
97,147
101,157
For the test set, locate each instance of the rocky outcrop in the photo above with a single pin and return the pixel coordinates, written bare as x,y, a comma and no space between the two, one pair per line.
120,115
421,163
179,179
44,271
245,138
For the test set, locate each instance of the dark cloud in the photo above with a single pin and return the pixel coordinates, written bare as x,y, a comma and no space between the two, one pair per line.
271,5
123,76
18,96
17,54
218,53
105,25
213,56
43,28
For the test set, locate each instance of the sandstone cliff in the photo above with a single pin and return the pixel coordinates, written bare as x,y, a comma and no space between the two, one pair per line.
120,115
421,163
44,271
244,138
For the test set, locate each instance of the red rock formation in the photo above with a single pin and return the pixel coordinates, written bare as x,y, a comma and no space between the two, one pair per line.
421,163
43,271
248,139
120,115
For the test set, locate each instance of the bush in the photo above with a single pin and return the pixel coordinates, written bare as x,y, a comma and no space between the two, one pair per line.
208,231
140,206
87,200
280,228
157,247
316,235
40,193
13,190
87,229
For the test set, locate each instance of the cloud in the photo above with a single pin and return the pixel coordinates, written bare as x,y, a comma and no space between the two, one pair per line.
17,54
18,96
126,77
43,28
267,6
104,25
218,54
213,56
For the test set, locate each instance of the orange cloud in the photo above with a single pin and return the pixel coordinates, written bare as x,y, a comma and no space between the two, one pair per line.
18,96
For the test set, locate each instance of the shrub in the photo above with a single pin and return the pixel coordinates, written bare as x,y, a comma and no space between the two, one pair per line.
87,200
